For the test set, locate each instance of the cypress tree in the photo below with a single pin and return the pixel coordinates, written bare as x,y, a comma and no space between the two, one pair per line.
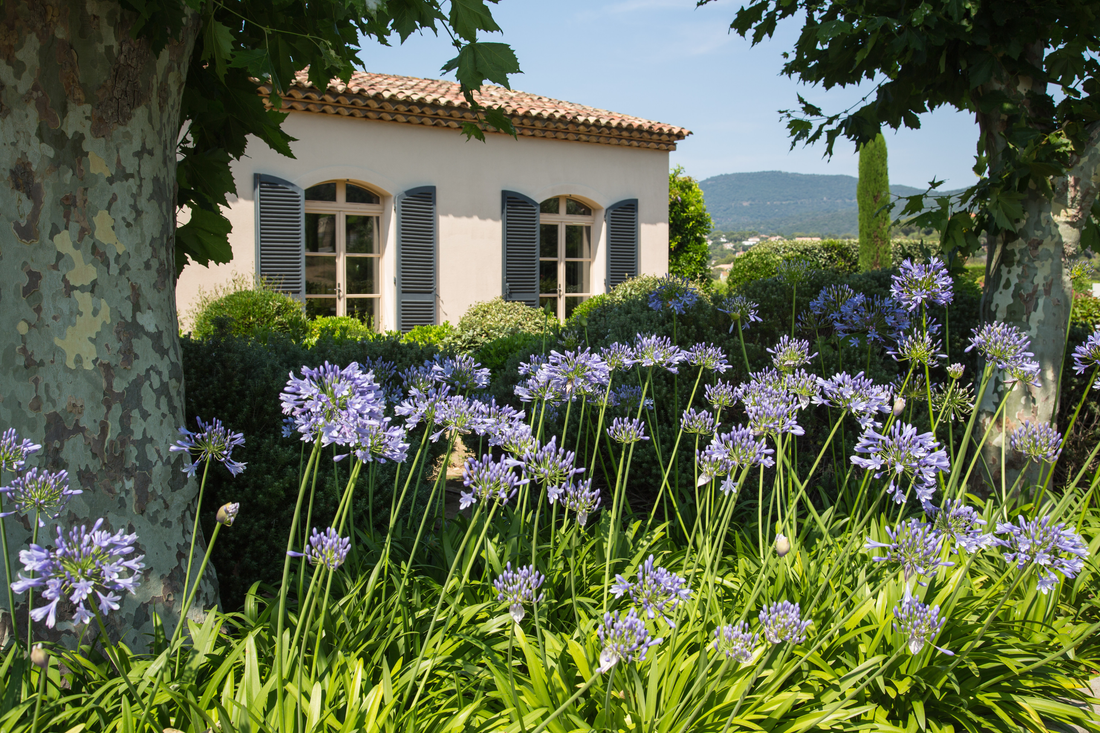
872,192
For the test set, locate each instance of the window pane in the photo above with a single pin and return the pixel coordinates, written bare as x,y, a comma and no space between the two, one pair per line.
573,206
359,195
550,206
365,309
316,307
548,240
548,277
321,233
320,275
576,242
362,275
321,192
360,234
571,303
576,277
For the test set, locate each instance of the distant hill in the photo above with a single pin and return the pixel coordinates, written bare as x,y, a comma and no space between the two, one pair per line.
773,202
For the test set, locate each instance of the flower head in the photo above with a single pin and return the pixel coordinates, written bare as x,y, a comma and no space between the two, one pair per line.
915,547
738,448
516,438
708,356
577,373
955,371
488,479
1084,356
698,422
858,395
83,564
790,353
960,522
550,464
783,622
920,348
735,641
793,271
914,285
1037,441
901,451
332,403
918,622
675,293
877,317
720,394
741,310
657,590
1005,346
829,302
954,401
1049,548
627,430
13,451
576,496
617,356
41,492
227,513
212,441
328,549
650,351
461,372
517,587
624,639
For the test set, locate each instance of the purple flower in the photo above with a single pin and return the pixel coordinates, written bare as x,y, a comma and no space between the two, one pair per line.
517,439
960,522
914,546
920,348
783,622
81,565
903,451
790,353
627,430
487,479
624,639
651,351
421,378
421,404
793,271
673,292
629,395
773,413
698,422
578,497
1084,356
735,641
211,441
517,587
227,513
461,372
918,622
538,387
858,395
13,451
1006,347
830,301
955,371
915,284
1037,441
801,384
549,464
617,356
577,373
956,401
1038,543
332,403
720,394
41,492
378,441
708,356
736,449
741,310
877,317
328,549
459,415
657,590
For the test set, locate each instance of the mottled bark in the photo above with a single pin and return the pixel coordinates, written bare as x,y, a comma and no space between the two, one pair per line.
89,347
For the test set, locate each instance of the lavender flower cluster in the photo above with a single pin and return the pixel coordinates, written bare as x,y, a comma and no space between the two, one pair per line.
656,591
518,587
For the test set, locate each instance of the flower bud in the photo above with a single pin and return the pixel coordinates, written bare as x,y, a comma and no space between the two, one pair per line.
782,545
899,405
955,371
228,513
40,657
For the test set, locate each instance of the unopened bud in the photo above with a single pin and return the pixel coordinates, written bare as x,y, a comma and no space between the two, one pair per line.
782,545
899,405
955,371
40,657
227,514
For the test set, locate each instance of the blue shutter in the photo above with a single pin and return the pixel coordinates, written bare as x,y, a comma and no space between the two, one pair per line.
416,258
520,223
622,242
281,234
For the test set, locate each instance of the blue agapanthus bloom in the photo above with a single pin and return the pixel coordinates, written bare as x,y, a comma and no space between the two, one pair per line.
487,480
577,373
627,430
518,587
902,451
41,493
790,353
1085,356
516,438
624,639
656,591
576,496
675,293
1003,345
84,567
915,285
735,641
617,356
1050,548
960,522
857,395
920,348
659,351
550,464
783,622
332,403
919,623
14,450
738,448
877,317
741,310
381,442
1037,441
802,385
830,301
709,357
698,422
212,441
914,547
461,372
326,548
720,394
460,415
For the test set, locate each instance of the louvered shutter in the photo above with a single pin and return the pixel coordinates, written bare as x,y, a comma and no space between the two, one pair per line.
520,222
622,242
416,258
281,234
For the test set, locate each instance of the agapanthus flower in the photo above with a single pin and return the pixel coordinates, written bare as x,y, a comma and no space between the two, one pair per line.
708,356
793,271
576,496
517,438
656,591
83,565
956,401
227,513
627,430
858,395
919,622
488,479
775,415
720,394
421,404
498,417
1084,356
577,373
459,415
539,388
915,285
42,493
902,451
921,348
325,548
914,546
212,441
673,292
629,396
783,622
617,356
1037,441
1049,548
422,378
878,317
960,522
332,403
741,310
801,384
955,371
650,351
14,451
830,301
381,442
624,638
698,422
517,587
550,464
736,449
1003,345
461,372
735,641
790,353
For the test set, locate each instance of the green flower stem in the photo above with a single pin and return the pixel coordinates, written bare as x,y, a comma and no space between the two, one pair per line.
309,515
512,681
675,453
42,675
321,623
565,705
744,354
112,658
599,421
978,452
1073,421
30,596
7,563
957,464
195,527
607,697
744,693
612,532
699,679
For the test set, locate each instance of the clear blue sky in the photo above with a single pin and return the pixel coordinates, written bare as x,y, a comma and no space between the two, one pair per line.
665,60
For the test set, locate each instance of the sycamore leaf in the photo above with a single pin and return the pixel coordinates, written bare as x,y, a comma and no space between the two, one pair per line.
470,16
217,46
480,62
204,239
496,117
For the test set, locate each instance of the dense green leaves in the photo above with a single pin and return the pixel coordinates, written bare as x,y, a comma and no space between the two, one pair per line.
688,227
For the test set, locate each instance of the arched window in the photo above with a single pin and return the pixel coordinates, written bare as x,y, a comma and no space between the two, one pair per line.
565,254
343,251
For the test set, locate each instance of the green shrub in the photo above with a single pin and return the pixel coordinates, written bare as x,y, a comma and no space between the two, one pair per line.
497,354
242,309
1086,310
494,319
429,335
339,328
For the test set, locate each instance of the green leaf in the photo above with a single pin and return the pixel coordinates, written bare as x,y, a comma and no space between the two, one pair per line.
217,45
204,239
477,63
470,16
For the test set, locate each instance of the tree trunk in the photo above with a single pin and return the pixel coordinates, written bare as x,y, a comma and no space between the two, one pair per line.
89,340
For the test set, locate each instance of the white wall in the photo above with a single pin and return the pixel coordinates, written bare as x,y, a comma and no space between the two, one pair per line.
469,177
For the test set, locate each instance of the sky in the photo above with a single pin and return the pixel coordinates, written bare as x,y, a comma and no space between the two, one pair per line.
668,61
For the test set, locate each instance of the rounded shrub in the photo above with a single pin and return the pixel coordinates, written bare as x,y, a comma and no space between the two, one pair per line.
494,319
254,312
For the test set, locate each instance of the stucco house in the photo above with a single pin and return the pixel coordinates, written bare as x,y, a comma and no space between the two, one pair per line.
388,212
